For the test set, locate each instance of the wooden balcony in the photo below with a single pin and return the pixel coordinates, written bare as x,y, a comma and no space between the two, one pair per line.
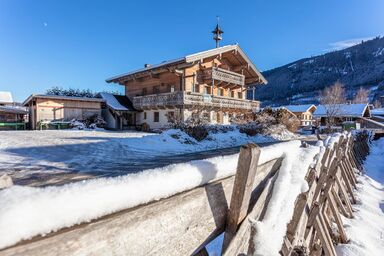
190,100
222,75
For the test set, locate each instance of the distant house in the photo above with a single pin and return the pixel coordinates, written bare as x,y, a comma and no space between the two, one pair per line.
60,108
303,112
12,116
347,113
118,112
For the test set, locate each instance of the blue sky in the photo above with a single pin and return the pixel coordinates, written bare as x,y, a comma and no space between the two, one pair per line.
80,43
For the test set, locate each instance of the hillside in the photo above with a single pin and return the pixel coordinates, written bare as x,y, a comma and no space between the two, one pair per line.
301,81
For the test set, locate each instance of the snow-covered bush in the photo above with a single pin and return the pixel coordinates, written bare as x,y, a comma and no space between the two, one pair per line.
91,122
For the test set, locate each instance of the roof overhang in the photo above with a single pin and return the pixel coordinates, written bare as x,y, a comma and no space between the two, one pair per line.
185,62
59,97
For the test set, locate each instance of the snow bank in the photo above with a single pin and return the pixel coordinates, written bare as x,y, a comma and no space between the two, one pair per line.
366,229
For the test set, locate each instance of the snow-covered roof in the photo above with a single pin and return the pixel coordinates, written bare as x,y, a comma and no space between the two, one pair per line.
44,96
13,109
301,108
350,110
377,111
114,103
6,97
195,57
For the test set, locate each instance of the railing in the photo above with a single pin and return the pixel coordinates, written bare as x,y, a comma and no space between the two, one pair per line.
224,76
192,99
185,223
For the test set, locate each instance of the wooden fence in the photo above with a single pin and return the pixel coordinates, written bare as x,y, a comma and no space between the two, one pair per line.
185,223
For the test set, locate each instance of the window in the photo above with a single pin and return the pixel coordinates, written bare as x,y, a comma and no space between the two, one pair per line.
220,92
233,94
156,89
156,117
171,88
196,88
145,115
144,91
218,117
239,95
171,116
207,90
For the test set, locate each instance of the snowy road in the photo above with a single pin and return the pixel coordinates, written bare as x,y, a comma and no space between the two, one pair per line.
56,157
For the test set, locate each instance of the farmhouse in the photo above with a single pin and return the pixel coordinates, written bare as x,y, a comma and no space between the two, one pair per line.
210,84
54,108
12,116
303,112
354,114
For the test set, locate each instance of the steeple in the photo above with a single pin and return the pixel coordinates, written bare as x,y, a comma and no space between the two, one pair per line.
217,33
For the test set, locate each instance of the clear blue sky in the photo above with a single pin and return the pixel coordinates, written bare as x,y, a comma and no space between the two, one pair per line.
81,43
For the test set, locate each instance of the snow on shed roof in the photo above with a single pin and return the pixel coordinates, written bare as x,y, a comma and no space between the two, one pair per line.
195,57
6,97
45,96
378,111
13,110
116,104
350,110
300,108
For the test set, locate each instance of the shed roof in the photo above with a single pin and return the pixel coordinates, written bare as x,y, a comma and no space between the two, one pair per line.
13,110
346,110
6,97
44,96
117,102
191,58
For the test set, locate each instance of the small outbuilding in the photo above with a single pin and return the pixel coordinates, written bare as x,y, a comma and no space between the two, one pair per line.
118,112
343,114
55,108
12,116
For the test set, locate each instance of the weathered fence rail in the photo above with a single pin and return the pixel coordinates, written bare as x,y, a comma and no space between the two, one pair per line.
185,223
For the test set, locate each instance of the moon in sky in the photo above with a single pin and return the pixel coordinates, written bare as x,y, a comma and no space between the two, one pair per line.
45,24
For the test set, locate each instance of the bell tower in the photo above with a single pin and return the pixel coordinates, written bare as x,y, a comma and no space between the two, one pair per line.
217,34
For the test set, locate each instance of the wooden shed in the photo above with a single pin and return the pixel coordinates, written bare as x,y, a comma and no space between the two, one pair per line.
60,108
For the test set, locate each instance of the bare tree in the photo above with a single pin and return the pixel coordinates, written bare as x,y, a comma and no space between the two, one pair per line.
331,98
361,96
377,104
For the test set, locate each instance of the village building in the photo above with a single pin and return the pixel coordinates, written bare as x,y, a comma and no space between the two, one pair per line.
118,112
60,109
346,115
12,116
303,112
210,84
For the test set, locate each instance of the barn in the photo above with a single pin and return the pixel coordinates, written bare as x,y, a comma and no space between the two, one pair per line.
55,108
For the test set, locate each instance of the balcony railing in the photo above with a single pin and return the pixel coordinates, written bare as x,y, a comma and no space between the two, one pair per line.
188,99
224,76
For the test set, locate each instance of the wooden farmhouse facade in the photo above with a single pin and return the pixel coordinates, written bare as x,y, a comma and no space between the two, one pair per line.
303,112
211,84
51,108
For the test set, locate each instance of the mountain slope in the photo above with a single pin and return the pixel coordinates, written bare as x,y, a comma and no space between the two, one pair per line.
301,81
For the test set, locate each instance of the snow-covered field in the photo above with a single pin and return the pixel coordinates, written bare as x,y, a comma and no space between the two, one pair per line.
74,154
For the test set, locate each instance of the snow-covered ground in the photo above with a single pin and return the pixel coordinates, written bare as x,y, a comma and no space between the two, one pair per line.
366,229
75,154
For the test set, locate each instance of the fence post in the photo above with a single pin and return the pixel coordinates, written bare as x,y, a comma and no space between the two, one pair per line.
242,190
